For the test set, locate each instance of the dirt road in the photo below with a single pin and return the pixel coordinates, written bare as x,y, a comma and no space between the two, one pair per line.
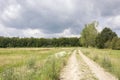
99,72
80,67
71,70
76,69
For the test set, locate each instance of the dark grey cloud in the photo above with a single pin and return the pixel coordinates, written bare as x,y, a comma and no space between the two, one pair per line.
108,7
54,16
50,18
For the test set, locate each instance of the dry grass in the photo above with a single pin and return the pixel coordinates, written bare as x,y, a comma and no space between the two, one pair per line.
27,63
109,59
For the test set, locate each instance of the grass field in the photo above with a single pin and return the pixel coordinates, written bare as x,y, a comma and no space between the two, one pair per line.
46,63
31,63
107,58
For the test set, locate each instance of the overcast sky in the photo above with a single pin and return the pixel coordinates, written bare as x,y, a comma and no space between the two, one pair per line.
56,18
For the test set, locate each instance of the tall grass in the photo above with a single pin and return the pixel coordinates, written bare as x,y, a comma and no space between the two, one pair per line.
108,59
106,62
49,69
95,57
18,57
19,73
52,67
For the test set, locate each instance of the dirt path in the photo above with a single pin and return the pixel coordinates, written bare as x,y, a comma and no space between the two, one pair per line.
96,69
85,72
71,70
76,69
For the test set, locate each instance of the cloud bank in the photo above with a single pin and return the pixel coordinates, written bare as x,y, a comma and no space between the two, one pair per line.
56,18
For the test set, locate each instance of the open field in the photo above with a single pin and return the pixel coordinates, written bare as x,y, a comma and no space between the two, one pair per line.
32,63
58,64
107,58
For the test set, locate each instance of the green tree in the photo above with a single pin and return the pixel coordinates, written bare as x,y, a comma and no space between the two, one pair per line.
105,37
89,34
113,42
117,44
38,42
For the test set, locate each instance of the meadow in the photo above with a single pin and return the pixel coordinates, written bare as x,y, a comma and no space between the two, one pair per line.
47,63
106,58
32,63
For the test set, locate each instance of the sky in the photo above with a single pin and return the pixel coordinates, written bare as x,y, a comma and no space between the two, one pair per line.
56,18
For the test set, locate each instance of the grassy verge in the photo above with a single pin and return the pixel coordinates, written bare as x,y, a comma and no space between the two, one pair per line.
108,59
51,69
39,66
15,57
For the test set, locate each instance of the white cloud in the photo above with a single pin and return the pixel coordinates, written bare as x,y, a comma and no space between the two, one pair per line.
33,32
9,32
114,21
11,12
67,33
3,31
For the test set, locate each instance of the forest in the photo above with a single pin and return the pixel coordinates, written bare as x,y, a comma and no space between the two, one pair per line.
38,42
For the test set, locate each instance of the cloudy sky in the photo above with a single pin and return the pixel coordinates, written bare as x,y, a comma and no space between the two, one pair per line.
56,18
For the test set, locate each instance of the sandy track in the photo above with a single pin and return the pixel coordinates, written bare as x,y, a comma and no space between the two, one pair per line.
71,70
85,72
80,67
76,69
99,72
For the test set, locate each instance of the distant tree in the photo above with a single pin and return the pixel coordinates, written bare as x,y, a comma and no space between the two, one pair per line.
114,42
4,42
74,41
108,44
89,34
117,44
105,36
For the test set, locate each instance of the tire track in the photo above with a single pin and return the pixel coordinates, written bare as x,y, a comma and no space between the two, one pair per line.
71,70
76,69
99,72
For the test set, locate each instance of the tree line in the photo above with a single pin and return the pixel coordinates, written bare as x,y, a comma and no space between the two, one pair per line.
38,42
90,37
